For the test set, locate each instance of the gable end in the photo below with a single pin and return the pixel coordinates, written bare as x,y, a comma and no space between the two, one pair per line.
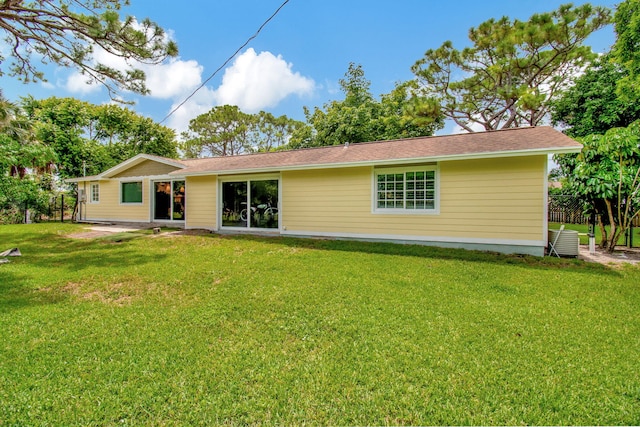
146,168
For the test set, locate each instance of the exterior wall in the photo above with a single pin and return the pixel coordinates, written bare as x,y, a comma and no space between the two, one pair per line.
482,202
109,206
492,204
146,168
201,194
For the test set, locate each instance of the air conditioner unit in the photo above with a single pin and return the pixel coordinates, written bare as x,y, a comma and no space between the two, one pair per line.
567,242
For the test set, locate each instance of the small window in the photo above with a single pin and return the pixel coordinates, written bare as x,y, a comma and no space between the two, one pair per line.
95,193
131,192
406,190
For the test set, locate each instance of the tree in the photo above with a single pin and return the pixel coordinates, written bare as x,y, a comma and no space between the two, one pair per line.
360,118
626,50
125,134
271,133
25,165
66,125
66,32
512,70
405,114
89,139
227,131
20,151
223,131
592,105
607,173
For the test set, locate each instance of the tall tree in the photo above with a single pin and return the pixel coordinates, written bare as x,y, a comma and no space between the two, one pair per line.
25,165
626,50
66,33
607,174
124,134
271,133
592,105
361,118
223,131
512,70
19,149
63,124
89,139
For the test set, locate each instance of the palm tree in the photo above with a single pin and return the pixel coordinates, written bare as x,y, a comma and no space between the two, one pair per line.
21,151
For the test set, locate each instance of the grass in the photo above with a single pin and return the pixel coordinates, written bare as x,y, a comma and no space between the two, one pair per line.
584,229
200,330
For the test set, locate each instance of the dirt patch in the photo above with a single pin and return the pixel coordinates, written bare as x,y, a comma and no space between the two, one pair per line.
618,257
90,234
192,232
114,294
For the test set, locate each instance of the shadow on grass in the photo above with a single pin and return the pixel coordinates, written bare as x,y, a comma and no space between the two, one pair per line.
432,252
41,252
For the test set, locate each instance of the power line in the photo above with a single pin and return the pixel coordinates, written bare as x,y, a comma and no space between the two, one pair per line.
264,24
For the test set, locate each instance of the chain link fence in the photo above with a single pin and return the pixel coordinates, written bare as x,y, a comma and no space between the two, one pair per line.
59,208
566,209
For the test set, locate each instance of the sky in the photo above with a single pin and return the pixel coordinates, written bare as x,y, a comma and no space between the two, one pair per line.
298,58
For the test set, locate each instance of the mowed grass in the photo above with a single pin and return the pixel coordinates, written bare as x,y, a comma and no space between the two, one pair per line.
202,330
583,229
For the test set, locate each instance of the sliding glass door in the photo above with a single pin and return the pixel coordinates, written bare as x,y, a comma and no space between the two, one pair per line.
250,204
169,200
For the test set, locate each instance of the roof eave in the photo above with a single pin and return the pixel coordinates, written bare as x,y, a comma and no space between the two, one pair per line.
466,156
137,160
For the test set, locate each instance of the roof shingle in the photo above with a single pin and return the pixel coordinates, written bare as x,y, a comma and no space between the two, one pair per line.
507,142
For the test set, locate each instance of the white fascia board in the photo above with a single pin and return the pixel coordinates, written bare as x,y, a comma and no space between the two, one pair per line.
137,160
399,162
84,178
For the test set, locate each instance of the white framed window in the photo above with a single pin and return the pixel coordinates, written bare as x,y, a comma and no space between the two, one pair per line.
406,190
131,192
94,192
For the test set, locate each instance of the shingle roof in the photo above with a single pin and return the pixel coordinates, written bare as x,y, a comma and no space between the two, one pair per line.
501,143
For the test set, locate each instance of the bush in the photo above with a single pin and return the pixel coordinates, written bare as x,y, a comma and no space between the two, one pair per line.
16,194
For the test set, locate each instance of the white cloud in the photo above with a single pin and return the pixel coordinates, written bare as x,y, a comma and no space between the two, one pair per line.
198,104
175,78
47,85
171,79
253,82
476,127
258,81
81,84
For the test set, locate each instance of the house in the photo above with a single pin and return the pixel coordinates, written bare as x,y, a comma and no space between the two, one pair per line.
484,191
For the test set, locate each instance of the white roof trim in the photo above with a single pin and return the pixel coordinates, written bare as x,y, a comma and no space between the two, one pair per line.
137,160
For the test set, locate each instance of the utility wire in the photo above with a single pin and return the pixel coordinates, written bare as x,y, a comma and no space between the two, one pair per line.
264,24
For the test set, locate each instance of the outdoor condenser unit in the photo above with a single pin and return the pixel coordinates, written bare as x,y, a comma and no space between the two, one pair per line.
567,242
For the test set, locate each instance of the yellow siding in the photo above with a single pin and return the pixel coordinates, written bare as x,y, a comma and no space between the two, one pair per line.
479,199
109,206
201,194
147,168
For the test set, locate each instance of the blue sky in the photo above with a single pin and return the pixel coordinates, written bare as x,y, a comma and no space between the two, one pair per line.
297,59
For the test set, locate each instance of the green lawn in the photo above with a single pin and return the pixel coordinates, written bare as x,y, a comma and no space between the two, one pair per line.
201,330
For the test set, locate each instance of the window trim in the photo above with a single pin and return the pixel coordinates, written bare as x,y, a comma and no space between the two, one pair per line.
129,181
93,185
404,169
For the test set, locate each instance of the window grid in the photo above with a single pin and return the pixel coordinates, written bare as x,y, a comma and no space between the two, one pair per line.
411,190
95,193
